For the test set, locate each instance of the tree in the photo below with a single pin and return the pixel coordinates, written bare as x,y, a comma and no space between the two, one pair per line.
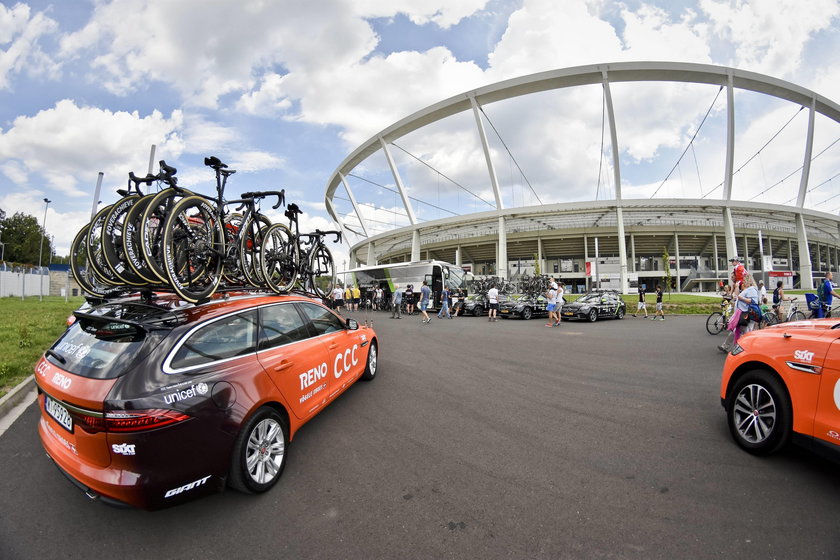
21,236
537,270
666,266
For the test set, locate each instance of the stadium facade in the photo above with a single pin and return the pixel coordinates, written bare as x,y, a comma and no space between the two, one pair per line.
618,242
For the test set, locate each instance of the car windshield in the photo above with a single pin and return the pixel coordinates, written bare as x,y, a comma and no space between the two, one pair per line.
521,297
590,298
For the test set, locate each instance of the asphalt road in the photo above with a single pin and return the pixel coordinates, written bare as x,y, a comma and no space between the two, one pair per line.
479,440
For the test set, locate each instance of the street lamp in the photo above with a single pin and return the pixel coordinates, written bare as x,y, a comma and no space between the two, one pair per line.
41,252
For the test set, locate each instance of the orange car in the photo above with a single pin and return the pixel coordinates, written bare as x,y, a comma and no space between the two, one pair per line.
153,402
783,383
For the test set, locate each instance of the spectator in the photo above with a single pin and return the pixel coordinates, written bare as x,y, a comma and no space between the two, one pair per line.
444,304
826,294
396,302
659,312
338,298
409,299
357,296
778,298
425,296
642,305
492,303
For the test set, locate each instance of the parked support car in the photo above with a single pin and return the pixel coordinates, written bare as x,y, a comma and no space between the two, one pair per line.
782,384
151,403
524,306
599,304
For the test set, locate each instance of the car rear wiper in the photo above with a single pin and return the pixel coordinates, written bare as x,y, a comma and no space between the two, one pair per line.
56,355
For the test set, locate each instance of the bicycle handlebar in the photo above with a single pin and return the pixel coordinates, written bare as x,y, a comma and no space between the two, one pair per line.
214,162
281,196
318,233
167,174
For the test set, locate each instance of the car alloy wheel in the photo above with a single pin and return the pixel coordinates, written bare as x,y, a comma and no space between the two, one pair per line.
593,315
260,452
759,413
372,361
527,313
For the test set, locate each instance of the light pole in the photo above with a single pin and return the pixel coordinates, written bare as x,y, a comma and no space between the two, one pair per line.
41,252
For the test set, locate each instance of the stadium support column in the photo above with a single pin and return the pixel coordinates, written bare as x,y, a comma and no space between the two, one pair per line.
806,273
619,215
715,253
540,259
728,226
501,255
371,255
355,204
415,240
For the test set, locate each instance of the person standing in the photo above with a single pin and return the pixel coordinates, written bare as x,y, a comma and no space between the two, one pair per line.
737,324
377,299
357,296
492,303
348,298
409,300
444,304
396,302
338,298
659,312
425,295
560,299
642,305
827,294
737,276
551,296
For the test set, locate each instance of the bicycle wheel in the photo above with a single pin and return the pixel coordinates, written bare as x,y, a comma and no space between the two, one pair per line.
112,244
80,265
96,256
322,269
715,322
133,244
797,316
151,229
192,247
767,319
279,258
250,244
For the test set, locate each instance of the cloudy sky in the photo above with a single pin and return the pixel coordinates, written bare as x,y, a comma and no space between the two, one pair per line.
283,90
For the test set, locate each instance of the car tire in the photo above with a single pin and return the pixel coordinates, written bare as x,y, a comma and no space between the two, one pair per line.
527,313
478,311
620,313
593,315
372,363
758,412
260,452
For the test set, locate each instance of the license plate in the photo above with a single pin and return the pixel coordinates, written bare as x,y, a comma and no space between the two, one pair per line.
504,311
568,313
58,413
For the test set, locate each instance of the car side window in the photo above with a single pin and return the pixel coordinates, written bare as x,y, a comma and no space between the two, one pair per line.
322,319
226,338
281,324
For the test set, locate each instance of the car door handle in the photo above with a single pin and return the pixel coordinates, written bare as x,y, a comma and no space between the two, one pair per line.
285,364
333,346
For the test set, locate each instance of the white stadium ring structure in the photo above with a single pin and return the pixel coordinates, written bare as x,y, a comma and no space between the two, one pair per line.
617,241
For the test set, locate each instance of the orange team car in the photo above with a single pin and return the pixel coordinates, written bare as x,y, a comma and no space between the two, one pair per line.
783,383
153,402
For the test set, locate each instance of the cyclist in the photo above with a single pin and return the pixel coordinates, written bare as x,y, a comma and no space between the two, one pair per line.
737,276
778,298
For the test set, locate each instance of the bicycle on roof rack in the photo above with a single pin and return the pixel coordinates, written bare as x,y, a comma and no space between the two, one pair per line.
99,260
203,243
288,256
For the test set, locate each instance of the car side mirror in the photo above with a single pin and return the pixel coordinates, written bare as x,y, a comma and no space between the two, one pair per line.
352,324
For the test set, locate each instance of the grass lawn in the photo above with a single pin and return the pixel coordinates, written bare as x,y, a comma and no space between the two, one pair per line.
27,328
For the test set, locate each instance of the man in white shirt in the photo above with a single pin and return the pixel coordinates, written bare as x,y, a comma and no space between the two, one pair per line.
492,302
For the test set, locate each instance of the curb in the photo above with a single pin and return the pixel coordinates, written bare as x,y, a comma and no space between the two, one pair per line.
17,395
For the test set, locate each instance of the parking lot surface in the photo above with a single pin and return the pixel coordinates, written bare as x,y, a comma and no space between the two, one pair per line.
480,440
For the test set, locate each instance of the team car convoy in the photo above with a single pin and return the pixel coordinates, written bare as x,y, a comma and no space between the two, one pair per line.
152,402
782,384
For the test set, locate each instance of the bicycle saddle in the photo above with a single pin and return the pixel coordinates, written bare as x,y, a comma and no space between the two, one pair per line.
214,162
291,210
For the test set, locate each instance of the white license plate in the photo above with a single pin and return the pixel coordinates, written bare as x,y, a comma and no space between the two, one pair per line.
568,313
58,413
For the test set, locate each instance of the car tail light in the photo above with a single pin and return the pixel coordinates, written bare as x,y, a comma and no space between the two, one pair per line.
128,420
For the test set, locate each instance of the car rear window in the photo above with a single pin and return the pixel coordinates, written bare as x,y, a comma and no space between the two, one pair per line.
100,349
222,339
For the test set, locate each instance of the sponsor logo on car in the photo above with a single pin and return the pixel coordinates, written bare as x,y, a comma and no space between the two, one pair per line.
193,391
123,448
803,355
186,487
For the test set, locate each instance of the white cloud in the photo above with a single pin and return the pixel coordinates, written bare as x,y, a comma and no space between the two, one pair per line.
769,37
68,144
444,14
20,33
